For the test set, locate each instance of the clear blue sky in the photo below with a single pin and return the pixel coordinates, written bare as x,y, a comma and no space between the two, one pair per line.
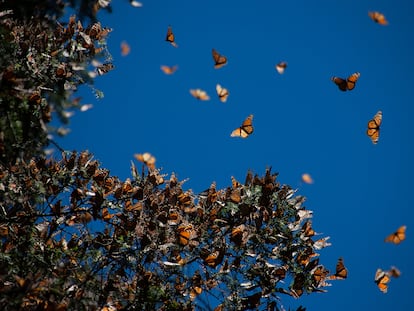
303,123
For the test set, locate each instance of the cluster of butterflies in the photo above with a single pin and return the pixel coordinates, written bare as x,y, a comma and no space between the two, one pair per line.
348,84
382,278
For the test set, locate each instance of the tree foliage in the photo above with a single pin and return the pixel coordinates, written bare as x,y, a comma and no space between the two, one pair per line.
74,237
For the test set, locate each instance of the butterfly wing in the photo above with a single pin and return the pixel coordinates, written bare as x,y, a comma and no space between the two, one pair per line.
341,83
169,70
199,94
352,79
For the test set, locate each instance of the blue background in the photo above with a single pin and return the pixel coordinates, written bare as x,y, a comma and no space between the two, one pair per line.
303,123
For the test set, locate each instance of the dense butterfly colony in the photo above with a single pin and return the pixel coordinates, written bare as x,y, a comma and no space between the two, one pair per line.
159,245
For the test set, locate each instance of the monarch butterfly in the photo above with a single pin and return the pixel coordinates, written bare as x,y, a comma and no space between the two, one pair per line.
219,60
169,70
245,129
147,158
136,4
378,18
307,229
373,130
346,84
125,48
170,37
319,275
222,93
102,69
200,94
341,272
185,234
382,279
398,236
280,67
306,178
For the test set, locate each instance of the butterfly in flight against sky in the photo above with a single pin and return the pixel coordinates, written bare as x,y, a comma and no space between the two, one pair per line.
245,129
373,130
125,48
382,279
378,18
341,272
346,84
219,60
170,37
169,70
281,67
397,237
222,93
199,94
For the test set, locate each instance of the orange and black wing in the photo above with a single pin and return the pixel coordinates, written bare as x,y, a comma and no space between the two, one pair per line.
378,18
169,70
352,79
341,83
170,37
397,237
219,60
373,130
245,130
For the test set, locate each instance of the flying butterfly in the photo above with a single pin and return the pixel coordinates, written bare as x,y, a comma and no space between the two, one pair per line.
398,236
306,178
104,68
169,70
378,18
382,279
170,37
280,67
341,272
199,94
245,130
125,48
222,93
347,84
373,130
219,60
